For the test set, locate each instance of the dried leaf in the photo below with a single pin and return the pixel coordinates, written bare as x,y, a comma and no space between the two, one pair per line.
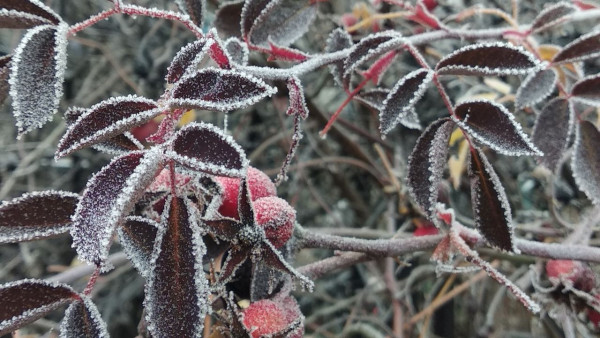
137,236
552,129
107,199
228,18
38,67
187,59
583,48
106,120
206,148
4,72
27,300
490,204
402,98
177,292
237,50
194,9
82,320
552,15
338,40
426,164
587,90
535,88
36,215
485,59
586,160
220,90
25,14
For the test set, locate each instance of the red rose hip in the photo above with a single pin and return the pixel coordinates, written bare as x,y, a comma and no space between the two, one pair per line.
276,217
259,183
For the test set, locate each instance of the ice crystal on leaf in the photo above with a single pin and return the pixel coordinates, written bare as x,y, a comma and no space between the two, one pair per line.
137,236
552,129
338,39
27,300
17,20
490,204
194,9
206,148
106,120
536,87
26,14
586,160
583,48
402,98
250,11
552,15
187,58
297,101
4,71
37,72
486,59
237,50
36,215
228,17
494,126
82,320
107,199
220,90
426,164
586,90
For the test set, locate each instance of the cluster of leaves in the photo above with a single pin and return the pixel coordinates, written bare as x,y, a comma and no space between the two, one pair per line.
163,196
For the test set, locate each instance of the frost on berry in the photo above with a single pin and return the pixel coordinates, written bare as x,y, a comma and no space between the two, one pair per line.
194,9
137,236
37,73
82,319
586,90
585,162
27,300
186,60
535,88
574,273
276,217
26,14
36,215
259,185
552,15
273,317
493,125
338,39
552,130
580,49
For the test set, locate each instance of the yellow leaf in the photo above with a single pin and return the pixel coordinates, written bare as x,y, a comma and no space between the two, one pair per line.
498,85
456,165
456,135
187,117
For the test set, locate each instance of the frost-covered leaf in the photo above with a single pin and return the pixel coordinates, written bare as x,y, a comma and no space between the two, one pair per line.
36,215
373,98
220,90
137,236
426,164
486,59
106,120
587,90
338,40
297,102
187,58
552,129
493,125
250,11
228,17
490,204
25,14
27,300
37,73
194,9
237,50
552,15
580,49
4,72
177,292
279,21
402,98
368,48
206,148
107,199
82,320
586,160
536,87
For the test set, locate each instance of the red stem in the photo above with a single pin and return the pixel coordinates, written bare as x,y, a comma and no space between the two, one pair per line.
337,113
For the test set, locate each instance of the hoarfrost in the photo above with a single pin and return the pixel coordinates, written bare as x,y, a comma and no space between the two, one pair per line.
137,236
187,58
237,50
338,40
32,7
586,90
552,130
552,15
250,11
585,162
194,9
4,72
583,48
82,320
16,19
536,87
228,17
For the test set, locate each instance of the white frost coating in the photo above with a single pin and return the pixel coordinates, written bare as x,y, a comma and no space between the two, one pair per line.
237,103
109,131
11,13
590,101
501,147
535,88
240,59
401,113
582,56
305,281
209,167
195,61
492,71
539,24
297,99
47,9
437,157
138,258
283,31
71,324
585,174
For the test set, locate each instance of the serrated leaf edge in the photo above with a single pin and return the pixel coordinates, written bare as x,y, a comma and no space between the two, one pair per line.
525,82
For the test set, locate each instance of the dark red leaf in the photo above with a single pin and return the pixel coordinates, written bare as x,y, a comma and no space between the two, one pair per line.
586,160
34,10
82,320
137,236
494,126
186,59
402,98
552,15
490,204
228,18
251,11
536,87
234,261
107,199
297,104
487,59
245,208
4,72
36,215
237,50
38,67
552,129
373,98
587,90
27,300
177,292
194,8
217,52
426,164
272,258
285,54
206,148
106,120
220,90
338,40
580,49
